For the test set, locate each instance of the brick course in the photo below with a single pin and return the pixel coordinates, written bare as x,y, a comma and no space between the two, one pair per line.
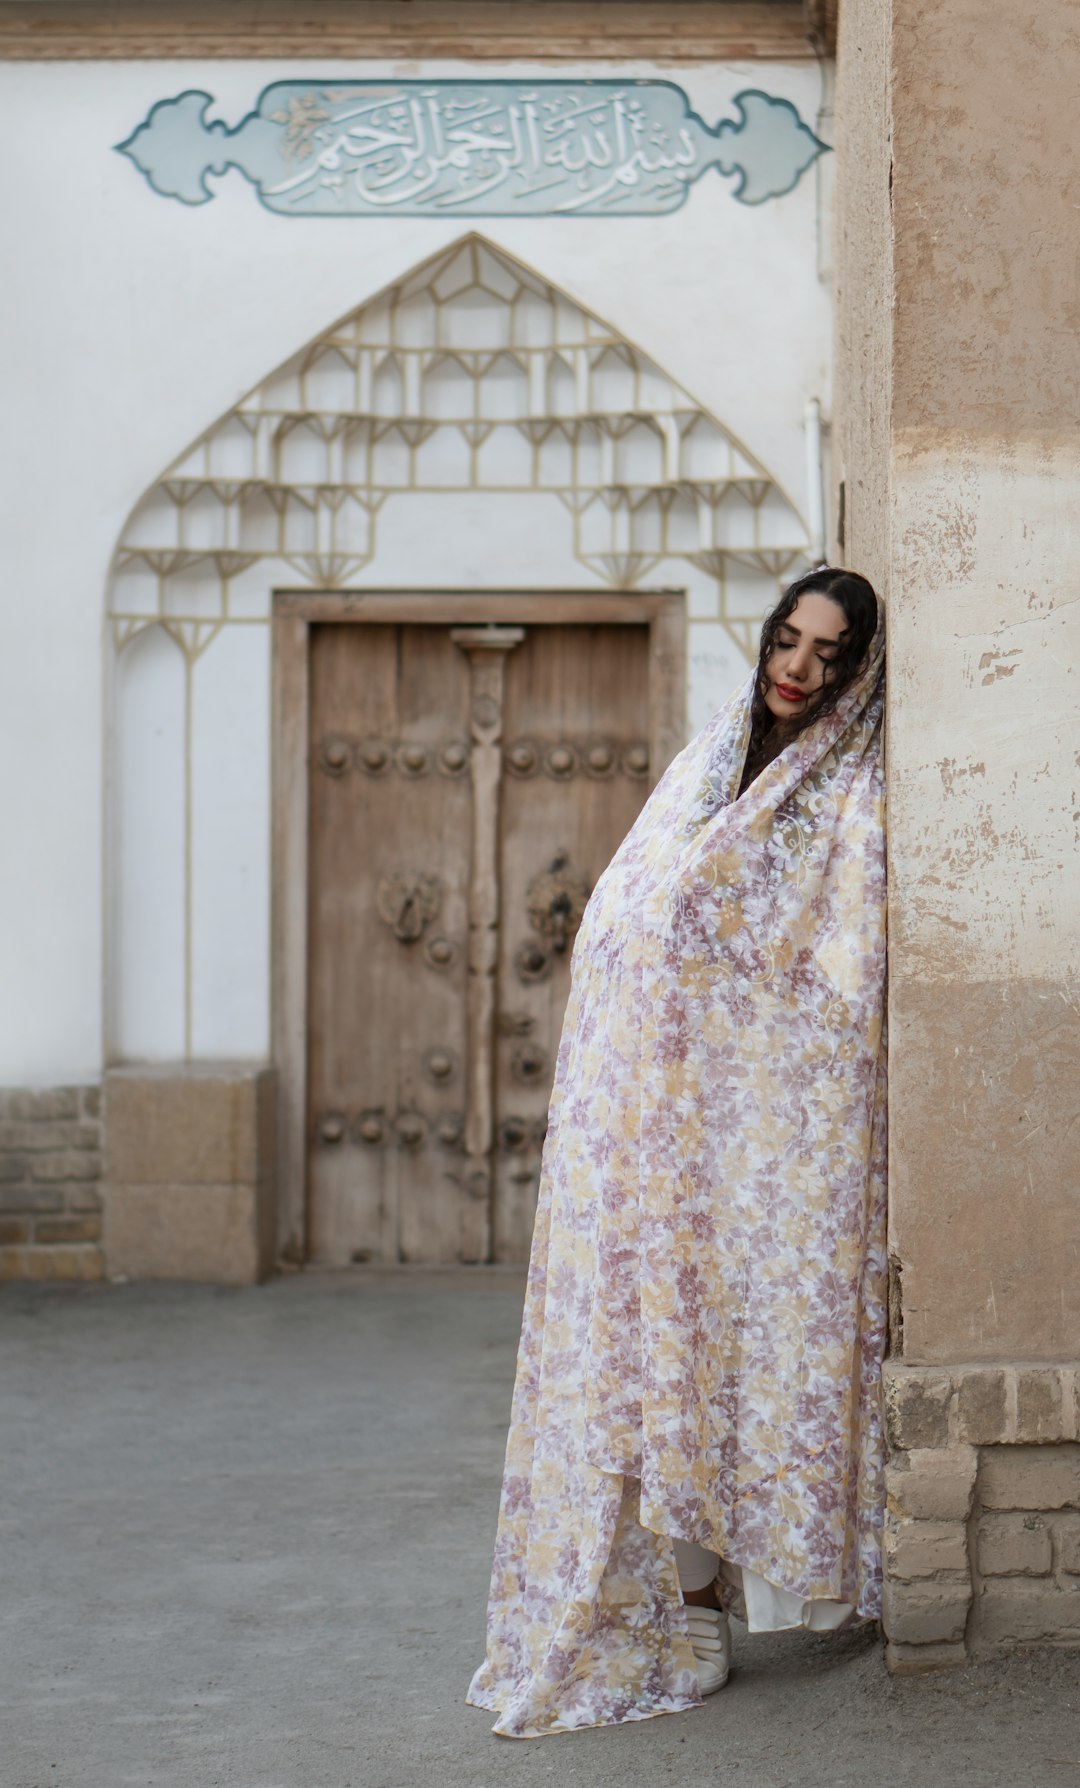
55,1105
50,1183
68,1229
928,1407
1022,1610
24,1199
1032,1477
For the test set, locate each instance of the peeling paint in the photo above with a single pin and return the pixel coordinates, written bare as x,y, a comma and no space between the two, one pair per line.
994,664
951,771
939,547
984,807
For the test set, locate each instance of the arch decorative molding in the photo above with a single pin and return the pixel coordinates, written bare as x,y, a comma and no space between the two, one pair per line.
470,375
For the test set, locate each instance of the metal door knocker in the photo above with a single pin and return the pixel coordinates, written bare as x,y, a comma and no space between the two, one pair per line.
555,901
408,902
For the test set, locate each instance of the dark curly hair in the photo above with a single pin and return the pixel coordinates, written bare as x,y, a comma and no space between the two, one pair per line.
854,595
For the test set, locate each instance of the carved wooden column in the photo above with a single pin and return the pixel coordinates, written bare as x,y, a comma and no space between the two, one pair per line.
487,648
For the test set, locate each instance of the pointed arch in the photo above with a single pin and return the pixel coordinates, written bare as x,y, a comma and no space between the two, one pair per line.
472,382
469,344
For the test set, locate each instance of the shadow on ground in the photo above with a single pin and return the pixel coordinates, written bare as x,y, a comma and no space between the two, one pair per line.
245,1538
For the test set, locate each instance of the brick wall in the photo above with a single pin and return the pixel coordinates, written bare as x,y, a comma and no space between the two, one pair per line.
50,1184
982,1527
1026,1553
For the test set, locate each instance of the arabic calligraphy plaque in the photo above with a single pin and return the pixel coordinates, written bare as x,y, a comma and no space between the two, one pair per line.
473,148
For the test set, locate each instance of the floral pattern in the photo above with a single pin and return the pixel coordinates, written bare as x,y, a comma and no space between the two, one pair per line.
705,1315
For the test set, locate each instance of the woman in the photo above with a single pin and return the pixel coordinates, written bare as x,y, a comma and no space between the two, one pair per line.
698,1379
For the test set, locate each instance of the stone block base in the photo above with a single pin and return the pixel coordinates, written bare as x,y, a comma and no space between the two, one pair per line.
982,1524
209,1233
190,1186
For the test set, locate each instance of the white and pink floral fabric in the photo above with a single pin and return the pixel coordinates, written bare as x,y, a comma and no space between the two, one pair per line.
705,1315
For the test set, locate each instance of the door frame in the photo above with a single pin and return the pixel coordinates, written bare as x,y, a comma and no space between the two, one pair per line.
294,613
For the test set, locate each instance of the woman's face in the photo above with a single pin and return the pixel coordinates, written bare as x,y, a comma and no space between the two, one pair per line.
807,644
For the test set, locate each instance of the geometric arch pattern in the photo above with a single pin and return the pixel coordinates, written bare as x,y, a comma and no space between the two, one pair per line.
472,373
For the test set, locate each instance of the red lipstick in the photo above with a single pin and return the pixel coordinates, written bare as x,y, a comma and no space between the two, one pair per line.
789,692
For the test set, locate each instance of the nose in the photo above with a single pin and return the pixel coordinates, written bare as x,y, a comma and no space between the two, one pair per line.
801,661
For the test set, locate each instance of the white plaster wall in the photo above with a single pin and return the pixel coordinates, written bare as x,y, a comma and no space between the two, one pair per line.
149,701
129,322
985,769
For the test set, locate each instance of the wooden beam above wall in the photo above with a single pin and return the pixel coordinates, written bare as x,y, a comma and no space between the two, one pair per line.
665,31
821,22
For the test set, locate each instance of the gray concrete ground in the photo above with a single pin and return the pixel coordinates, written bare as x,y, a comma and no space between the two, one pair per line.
244,1540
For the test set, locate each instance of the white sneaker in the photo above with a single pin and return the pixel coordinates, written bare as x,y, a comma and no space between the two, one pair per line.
710,1639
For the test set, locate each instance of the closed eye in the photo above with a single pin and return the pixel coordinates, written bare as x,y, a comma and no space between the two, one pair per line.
788,645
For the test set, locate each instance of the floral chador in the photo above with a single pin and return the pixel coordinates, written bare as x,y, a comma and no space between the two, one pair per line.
705,1316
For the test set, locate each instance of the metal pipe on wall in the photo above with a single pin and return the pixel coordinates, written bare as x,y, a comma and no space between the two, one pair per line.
815,483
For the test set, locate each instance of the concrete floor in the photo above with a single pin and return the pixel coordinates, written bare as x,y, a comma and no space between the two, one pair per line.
245,1537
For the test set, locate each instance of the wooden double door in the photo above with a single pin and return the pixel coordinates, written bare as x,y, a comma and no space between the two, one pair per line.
468,784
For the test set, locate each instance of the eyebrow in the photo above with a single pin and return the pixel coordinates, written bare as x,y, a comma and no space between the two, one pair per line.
791,627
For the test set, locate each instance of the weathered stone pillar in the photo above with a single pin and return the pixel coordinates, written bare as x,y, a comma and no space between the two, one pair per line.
958,448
